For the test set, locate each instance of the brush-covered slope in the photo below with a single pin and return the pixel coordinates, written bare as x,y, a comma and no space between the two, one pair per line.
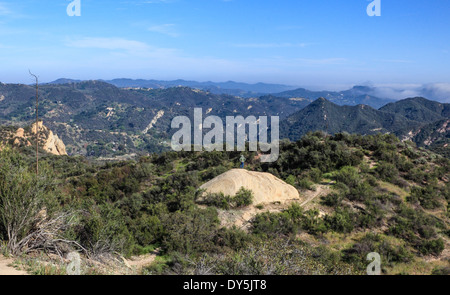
95,118
358,194
331,118
419,109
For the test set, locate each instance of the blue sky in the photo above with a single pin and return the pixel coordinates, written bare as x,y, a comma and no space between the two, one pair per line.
312,43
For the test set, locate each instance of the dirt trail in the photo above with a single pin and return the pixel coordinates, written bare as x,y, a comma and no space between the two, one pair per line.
139,262
320,190
5,269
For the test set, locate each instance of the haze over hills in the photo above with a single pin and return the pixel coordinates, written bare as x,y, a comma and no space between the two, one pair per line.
355,96
230,87
375,96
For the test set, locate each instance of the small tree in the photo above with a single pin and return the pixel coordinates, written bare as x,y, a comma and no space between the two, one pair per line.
24,208
21,198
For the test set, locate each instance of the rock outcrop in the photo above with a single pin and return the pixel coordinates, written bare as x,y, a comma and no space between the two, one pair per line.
49,141
52,144
265,187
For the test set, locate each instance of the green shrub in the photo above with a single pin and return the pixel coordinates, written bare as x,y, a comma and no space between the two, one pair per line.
291,180
304,183
332,200
233,238
218,200
433,247
342,221
441,271
315,174
390,253
349,176
243,198
273,224
363,191
191,231
428,197
311,222
387,171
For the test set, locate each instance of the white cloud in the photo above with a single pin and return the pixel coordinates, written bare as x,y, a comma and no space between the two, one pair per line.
433,91
166,29
289,27
269,45
157,1
109,44
397,61
322,61
4,10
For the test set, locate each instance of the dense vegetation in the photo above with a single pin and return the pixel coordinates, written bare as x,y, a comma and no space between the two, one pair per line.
387,196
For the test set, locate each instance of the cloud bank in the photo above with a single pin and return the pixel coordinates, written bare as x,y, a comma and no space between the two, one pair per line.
434,91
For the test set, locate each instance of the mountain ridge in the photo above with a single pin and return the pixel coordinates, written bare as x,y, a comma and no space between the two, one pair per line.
329,117
96,118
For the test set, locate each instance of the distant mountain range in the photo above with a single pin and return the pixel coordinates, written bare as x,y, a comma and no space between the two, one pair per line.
96,118
356,95
375,96
230,87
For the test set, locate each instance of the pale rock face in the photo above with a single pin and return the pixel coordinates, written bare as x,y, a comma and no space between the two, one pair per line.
40,126
265,187
154,121
20,133
52,144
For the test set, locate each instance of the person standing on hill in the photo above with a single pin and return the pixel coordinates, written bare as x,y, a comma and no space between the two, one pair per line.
242,159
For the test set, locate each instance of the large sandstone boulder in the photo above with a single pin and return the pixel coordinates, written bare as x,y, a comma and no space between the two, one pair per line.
266,187
52,143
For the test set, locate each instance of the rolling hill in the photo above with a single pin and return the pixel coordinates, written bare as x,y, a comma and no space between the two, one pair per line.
96,118
419,109
434,132
420,120
355,96
329,117
229,87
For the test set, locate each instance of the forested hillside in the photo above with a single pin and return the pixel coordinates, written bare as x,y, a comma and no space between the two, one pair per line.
97,119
